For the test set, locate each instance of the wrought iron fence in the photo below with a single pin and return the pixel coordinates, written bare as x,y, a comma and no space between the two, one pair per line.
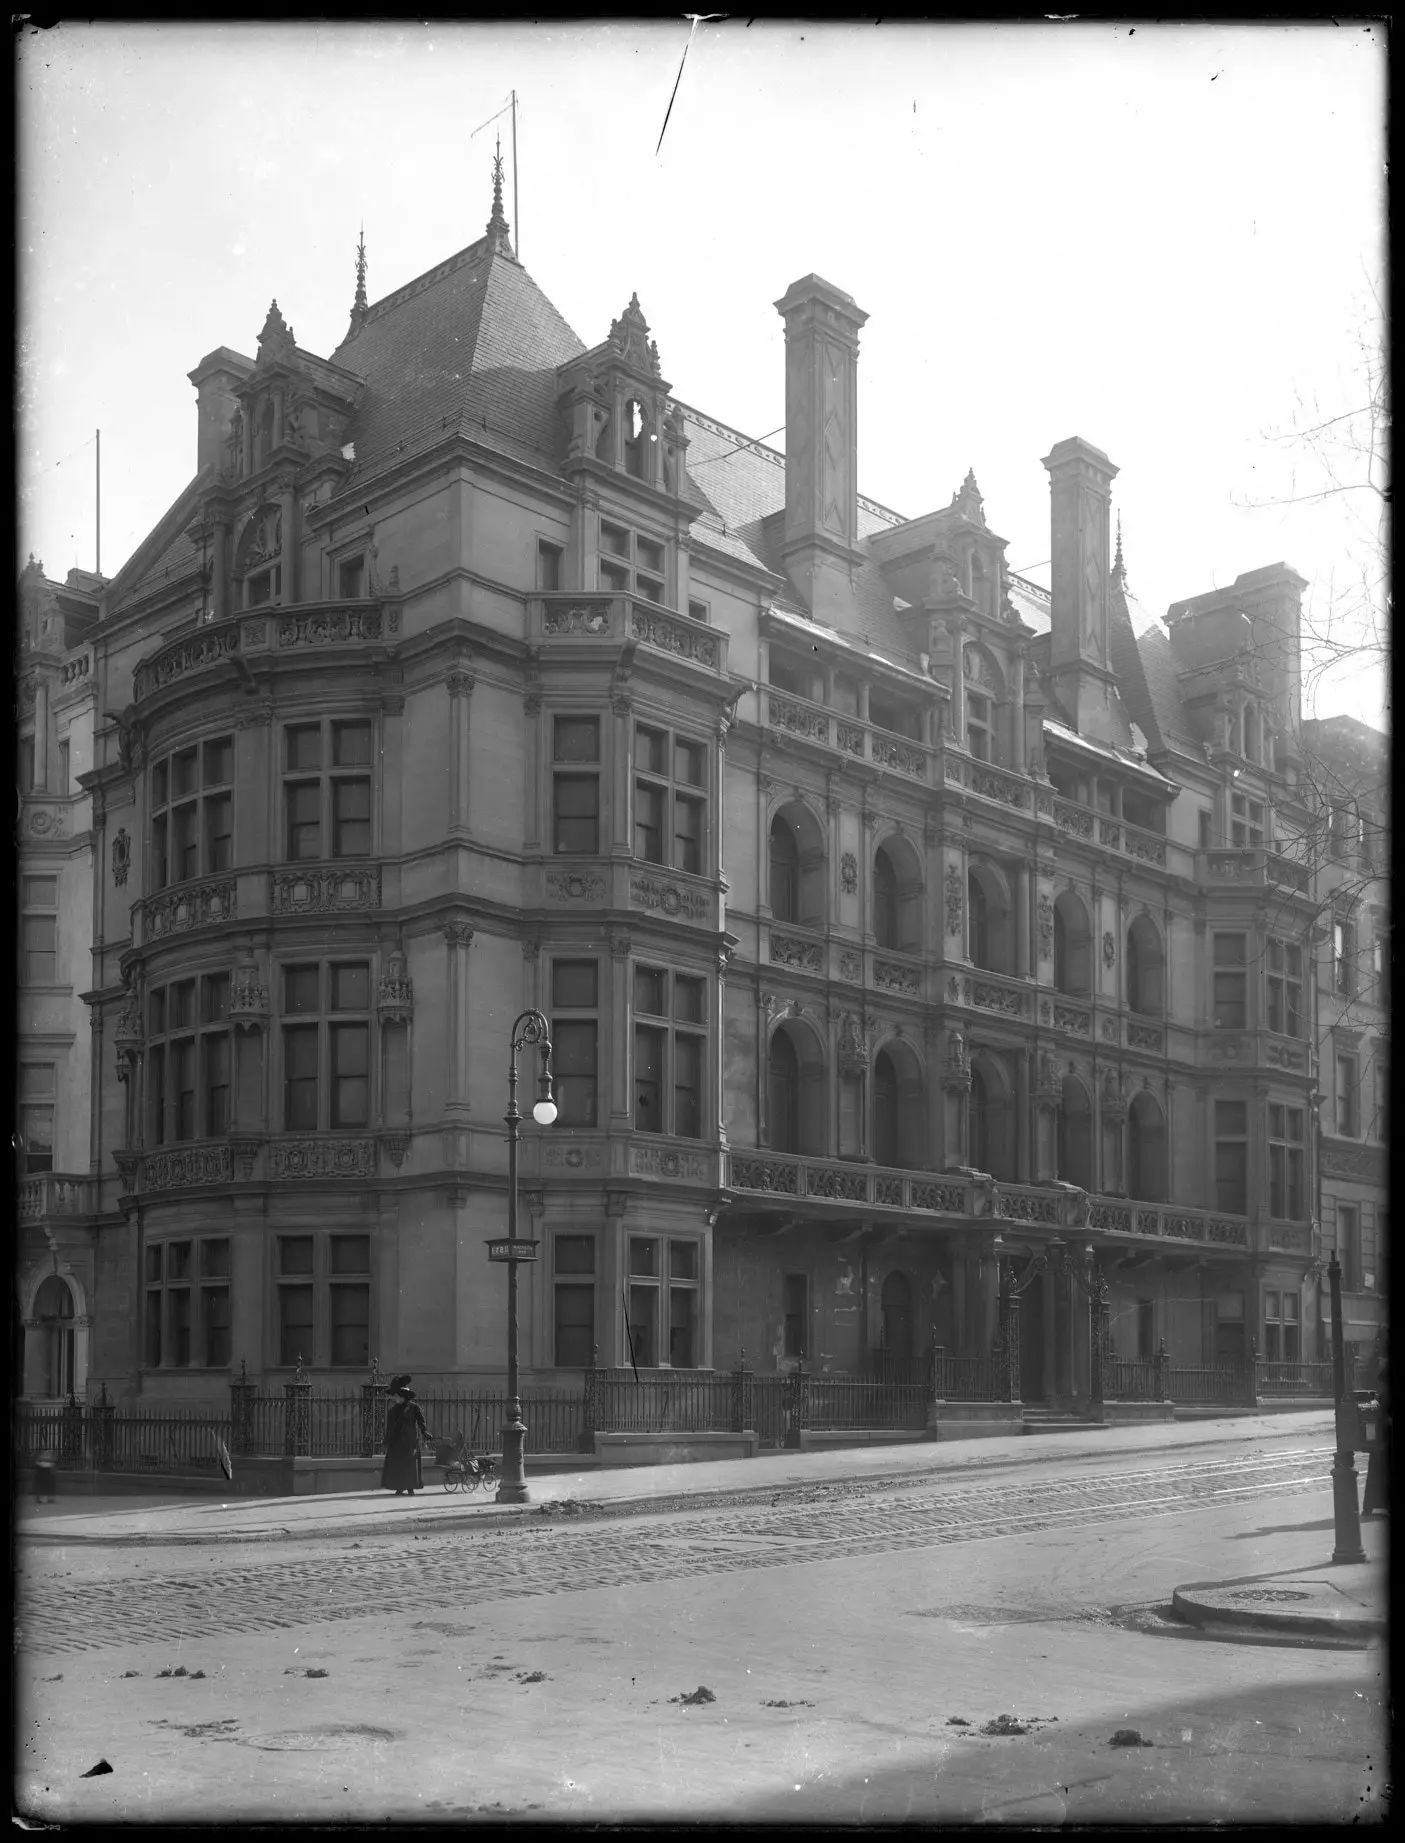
658,1401
1279,1378
554,1418
837,1402
1132,1379
97,1437
955,1378
1222,1385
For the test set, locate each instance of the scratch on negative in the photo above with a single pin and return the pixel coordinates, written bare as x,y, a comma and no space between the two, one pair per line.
696,18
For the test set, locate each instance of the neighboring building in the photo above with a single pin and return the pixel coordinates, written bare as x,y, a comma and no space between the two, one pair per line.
896,919
53,1303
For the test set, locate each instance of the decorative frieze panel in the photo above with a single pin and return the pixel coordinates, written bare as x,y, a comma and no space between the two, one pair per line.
849,737
1114,1216
1145,1036
789,950
799,719
324,892
571,1157
993,785
1077,821
849,873
665,1162
654,893
890,976
987,997
949,1199
195,652
196,1164
837,1183
955,900
336,627
1365,1164
770,1174
323,1158
1071,1018
1226,1230
198,905
851,968
589,619
889,752
574,886
1145,848
672,634
1017,1206
1285,1056
1290,1237
1044,914
50,820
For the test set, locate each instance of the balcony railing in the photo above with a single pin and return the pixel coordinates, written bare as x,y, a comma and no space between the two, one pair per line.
301,624
847,736
49,1194
570,617
1255,867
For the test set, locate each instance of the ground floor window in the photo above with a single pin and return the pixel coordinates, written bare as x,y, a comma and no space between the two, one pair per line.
573,1263
1282,1328
662,1313
53,1326
797,1314
322,1289
1229,1329
186,1307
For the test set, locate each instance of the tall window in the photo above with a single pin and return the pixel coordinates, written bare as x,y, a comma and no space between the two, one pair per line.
26,765
1343,957
797,1315
783,1093
1343,830
785,872
1380,962
1204,824
670,806
53,1313
62,783
885,899
1232,1157
575,792
573,1262
192,812
187,1303
978,725
39,930
1285,988
1282,1327
549,558
327,790
630,563
1349,1245
575,1034
323,1300
1285,1163
1227,1010
326,1046
37,1087
188,1059
1146,1329
1246,820
669,1055
656,1290
1348,1091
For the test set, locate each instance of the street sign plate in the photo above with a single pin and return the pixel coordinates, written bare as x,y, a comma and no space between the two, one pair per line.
512,1250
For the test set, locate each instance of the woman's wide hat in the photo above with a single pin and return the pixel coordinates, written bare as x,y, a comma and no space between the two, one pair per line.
397,1384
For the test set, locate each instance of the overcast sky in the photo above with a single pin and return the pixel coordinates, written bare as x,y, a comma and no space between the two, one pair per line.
1167,240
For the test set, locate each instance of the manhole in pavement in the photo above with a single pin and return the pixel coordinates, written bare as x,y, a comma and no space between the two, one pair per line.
317,1740
1269,1593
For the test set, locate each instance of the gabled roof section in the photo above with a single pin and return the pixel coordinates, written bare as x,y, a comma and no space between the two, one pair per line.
166,553
469,348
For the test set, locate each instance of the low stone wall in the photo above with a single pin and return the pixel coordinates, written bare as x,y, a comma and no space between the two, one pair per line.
974,1420
822,1439
617,1449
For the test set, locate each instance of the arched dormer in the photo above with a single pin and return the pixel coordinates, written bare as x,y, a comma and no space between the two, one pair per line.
258,560
620,415
983,689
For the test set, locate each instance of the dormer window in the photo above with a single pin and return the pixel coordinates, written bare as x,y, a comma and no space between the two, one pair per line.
1246,825
631,563
635,435
983,692
258,562
351,578
1251,733
978,726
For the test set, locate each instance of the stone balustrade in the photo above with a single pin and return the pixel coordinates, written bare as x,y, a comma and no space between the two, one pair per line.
45,1195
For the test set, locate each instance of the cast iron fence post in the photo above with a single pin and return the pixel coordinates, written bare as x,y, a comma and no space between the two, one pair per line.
373,1403
1161,1372
241,1413
590,1404
743,1414
1097,1353
71,1432
1346,1508
103,1412
794,1403
1252,1375
1008,1335
296,1412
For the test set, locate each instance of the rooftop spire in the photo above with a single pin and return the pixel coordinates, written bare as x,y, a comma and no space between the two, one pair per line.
498,239
1119,572
359,305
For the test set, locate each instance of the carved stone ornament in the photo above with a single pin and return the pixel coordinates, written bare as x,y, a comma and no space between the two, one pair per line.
1045,917
1109,949
395,996
121,856
955,900
851,968
849,873
574,886
855,1042
958,1058
458,933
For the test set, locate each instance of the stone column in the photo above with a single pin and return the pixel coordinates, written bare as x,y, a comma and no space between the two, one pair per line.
460,688
1017,737
1023,1160
288,508
458,937
1023,965
220,586
618,1056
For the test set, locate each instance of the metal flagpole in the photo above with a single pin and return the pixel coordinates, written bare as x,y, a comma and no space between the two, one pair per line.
97,568
516,221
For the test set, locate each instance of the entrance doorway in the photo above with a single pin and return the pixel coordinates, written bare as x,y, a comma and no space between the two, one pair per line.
1032,1341
895,1356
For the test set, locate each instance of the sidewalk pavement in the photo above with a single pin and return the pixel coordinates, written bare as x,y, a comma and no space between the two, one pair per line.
1341,1600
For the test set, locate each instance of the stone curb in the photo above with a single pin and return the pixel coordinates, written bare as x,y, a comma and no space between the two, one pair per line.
701,1497
1207,1604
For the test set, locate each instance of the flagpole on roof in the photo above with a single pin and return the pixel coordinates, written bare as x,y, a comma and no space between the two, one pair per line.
516,221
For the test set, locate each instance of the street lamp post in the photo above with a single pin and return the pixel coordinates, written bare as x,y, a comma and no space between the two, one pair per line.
530,1030
1346,1514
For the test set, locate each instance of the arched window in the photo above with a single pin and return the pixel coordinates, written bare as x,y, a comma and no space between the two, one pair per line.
784,1093
1146,1150
258,560
1072,946
984,692
53,1317
635,436
1146,969
991,937
990,1149
886,1105
885,899
785,871
979,921
1075,1146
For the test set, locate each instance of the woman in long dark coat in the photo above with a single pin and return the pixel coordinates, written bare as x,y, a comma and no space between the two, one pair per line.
404,1431
1376,1495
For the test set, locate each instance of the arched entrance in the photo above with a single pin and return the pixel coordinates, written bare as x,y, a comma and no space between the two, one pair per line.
53,1372
1032,1341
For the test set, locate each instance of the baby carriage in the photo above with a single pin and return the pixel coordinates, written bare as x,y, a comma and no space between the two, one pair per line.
462,1471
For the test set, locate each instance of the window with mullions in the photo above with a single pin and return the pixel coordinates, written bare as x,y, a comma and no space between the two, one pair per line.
575,1033
1344,830
575,784
1285,1163
631,563
1246,822
322,1286
39,930
1348,1092
669,1056
326,1046
1282,1327
1232,1157
186,1308
1230,962
1343,957
192,812
654,1292
670,805
37,1090
797,1314
327,790
1285,988
573,1262
188,1059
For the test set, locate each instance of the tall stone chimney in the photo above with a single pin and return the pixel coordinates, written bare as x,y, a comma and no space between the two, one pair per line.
215,379
820,542
1080,657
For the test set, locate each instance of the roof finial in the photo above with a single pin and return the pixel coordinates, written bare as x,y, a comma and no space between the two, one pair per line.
359,305
497,224
1119,572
